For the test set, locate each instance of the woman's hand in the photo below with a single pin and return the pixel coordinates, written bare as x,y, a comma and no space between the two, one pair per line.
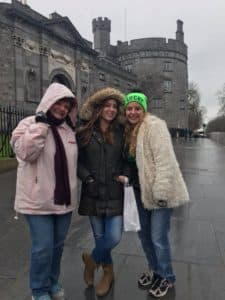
122,179
90,187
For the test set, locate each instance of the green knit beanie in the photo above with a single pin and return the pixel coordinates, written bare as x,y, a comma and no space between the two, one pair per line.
140,98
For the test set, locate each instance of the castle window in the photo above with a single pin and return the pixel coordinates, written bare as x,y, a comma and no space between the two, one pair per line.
83,91
31,92
116,82
102,76
84,76
167,86
128,68
167,66
129,86
157,103
182,104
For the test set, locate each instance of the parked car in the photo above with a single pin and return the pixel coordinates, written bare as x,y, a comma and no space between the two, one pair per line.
199,134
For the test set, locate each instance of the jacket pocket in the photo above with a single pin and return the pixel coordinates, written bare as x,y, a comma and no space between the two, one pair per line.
90,189
116,190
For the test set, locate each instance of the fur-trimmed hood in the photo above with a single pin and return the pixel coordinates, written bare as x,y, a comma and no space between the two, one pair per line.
97,99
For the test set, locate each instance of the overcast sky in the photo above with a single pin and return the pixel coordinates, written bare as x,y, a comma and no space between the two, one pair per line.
204,31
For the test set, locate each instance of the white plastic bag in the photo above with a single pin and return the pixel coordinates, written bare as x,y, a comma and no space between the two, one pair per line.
130,213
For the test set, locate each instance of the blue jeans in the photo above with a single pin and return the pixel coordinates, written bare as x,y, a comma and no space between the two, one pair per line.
155,226
107,232
48,233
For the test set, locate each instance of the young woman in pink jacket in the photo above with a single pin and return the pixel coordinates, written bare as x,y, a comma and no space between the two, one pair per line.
46,191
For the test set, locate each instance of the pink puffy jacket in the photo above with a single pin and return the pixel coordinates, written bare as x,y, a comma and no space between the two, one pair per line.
34,146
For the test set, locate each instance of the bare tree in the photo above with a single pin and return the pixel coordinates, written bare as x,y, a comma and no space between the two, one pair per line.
217,124
151,85
196,112
221,98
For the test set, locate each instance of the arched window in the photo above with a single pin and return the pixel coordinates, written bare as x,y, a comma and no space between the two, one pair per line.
31,86
60,78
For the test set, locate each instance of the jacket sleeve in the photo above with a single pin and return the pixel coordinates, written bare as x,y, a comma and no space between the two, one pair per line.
82,171
28,139
164,160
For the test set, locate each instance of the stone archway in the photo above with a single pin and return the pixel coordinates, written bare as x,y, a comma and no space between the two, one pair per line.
61,76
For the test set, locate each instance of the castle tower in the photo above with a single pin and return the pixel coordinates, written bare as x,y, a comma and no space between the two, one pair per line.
179,32
162,70
101,28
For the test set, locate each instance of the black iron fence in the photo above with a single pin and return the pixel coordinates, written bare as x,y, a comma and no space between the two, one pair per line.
9,118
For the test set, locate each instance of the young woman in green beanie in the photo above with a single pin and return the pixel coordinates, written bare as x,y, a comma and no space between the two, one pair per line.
158,186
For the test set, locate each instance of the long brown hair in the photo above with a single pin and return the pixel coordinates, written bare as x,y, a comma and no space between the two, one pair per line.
85,132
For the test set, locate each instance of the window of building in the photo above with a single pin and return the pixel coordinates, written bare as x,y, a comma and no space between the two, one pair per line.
129,86
31,86
116,82
167,66
129,67
83,91
84,76
157,103
182,104
102,76
167,86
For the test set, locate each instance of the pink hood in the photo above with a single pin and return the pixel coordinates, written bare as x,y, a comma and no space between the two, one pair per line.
55,92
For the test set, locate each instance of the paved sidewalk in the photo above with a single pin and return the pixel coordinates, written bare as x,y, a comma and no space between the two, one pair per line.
197,239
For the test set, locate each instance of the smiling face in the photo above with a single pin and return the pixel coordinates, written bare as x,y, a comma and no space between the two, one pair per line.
60,109
134,113
109,110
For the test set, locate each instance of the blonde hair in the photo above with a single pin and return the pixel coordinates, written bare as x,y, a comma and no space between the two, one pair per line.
131,133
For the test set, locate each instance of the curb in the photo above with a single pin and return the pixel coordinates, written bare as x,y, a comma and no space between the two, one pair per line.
8,164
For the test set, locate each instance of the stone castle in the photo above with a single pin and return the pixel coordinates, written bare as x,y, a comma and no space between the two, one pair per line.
36,50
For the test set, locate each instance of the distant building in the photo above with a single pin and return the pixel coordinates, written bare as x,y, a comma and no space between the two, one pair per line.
36,50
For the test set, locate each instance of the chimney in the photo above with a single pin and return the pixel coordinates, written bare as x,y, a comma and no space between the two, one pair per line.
179,32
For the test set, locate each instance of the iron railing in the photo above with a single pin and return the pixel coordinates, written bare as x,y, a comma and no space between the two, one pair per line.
9,118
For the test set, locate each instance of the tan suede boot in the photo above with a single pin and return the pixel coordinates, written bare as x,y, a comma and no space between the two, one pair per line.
89,269
105,283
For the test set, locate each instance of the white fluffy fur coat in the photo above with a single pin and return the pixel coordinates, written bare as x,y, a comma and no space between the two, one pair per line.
159,173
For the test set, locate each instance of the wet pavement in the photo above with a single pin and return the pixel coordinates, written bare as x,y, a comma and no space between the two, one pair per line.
197,239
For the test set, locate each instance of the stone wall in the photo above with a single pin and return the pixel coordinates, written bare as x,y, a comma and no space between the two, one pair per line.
36,50
7,82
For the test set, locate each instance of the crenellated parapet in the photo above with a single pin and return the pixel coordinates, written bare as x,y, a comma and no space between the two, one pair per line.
101,28
101,24
153,47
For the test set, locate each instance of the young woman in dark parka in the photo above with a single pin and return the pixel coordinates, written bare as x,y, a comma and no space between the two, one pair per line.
100,168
